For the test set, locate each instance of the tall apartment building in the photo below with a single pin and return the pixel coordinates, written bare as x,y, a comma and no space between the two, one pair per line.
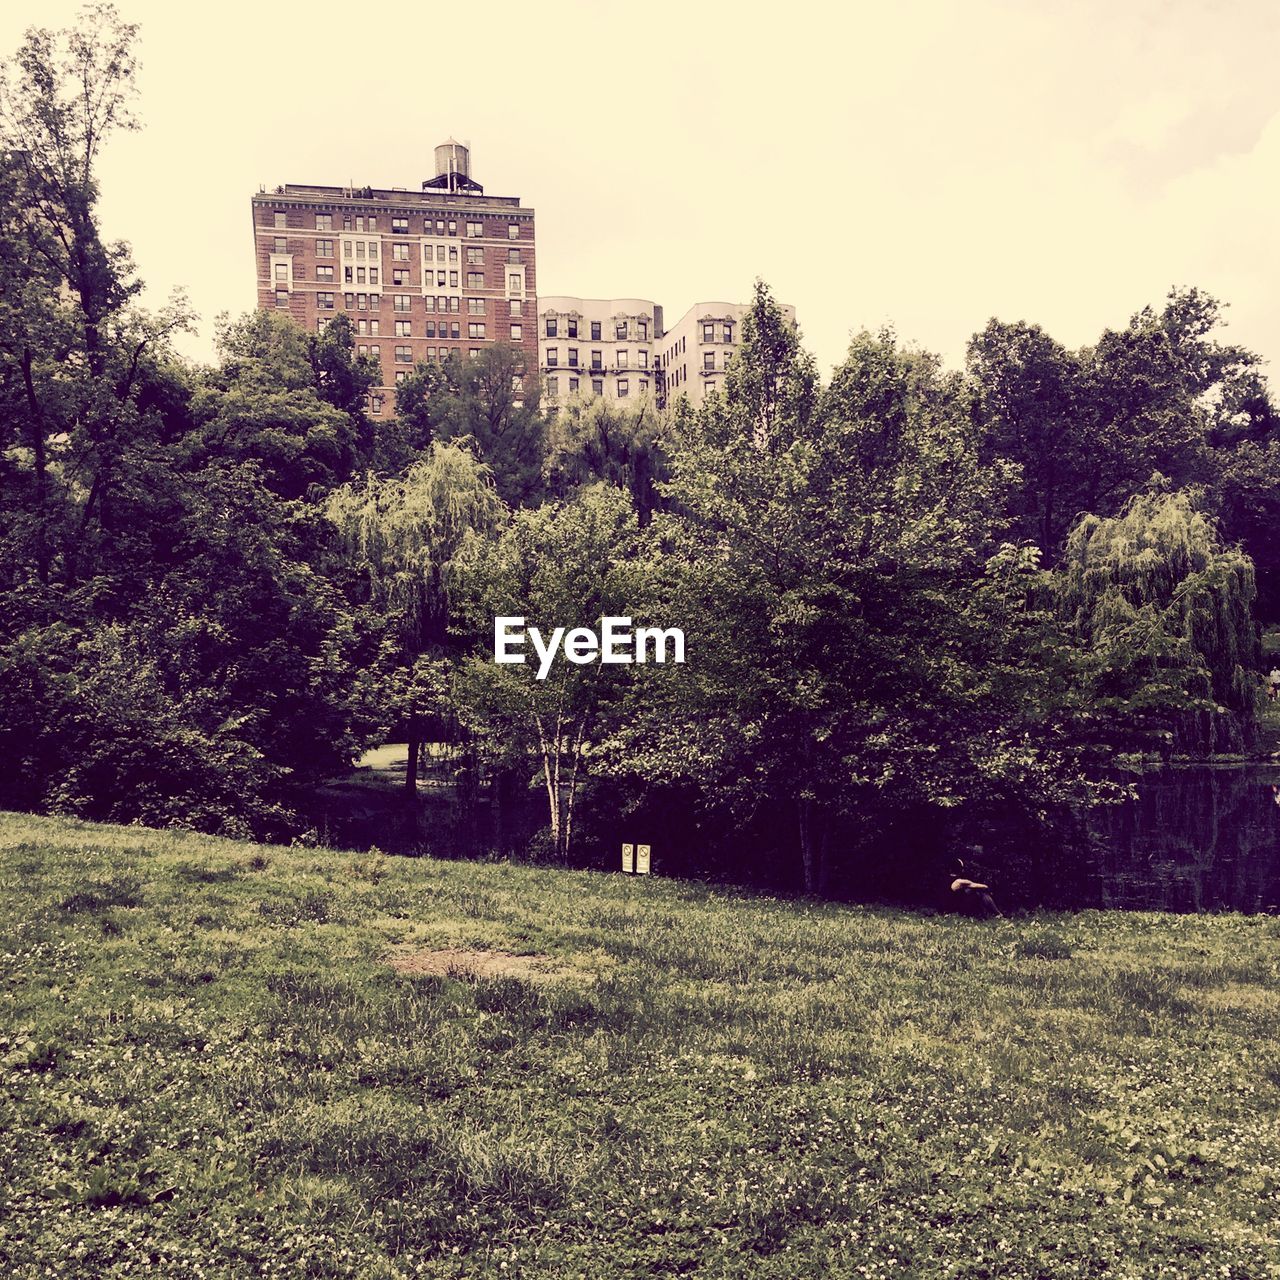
421,274
598,346
695,352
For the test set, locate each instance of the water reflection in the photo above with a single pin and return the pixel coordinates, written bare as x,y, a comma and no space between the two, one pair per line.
1197,838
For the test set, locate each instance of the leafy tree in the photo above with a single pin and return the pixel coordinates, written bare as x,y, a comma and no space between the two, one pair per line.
1163,611
593,440
559,565
400,537
859,640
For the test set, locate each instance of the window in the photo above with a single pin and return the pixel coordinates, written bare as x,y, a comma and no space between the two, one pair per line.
362,301
373,275
474,353
553,387
360,223
552,325
475,279
515,307
400,302
400,252
622,359
708,359
400,227
455,329
475,229
475,256
376,351
375,404
373,223
620,330
513,231
403,329
475,306
644,330
453,253
595,331
644,359
573,357
346,248
324,248
624,388
324,273
517,382
644,385
517,332
573,328
597,360
322,323
453,227
399,276
440,279
360,249
431,328
429,303
282,245
573,385
324,222
475,330
282,297
553,357
350,299
728,355
346,222
453,279
442,304
513,255
597,386
728,332
404,355
708,333
440,229
515,284
375,300
711,388
374,327
324,301
280,220
362,275
440,253
362,327
282,271
401,376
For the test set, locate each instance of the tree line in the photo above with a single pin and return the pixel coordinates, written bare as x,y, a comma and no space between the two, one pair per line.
905,590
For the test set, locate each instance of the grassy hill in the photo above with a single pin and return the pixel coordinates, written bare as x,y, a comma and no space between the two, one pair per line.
228,1060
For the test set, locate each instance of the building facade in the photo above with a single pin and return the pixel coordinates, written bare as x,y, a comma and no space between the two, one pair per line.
420,274
694,354
598,346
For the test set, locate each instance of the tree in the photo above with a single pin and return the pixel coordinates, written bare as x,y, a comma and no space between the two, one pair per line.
859,639
559,565
593,440
1163,612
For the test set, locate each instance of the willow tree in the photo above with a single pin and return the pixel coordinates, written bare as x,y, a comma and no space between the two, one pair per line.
400,537
1163,613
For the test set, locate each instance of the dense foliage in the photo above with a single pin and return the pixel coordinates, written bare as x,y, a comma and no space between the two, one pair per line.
910,596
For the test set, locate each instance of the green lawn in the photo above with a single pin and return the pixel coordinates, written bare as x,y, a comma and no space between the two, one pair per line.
212,1068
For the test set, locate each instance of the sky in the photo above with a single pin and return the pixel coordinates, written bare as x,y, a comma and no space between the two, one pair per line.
922,165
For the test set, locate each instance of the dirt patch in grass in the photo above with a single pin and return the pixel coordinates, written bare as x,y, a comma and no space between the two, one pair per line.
457,962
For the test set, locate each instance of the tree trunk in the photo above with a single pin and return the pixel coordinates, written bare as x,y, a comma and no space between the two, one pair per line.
813,843
411,768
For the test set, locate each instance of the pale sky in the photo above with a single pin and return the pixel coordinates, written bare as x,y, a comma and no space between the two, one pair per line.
922,164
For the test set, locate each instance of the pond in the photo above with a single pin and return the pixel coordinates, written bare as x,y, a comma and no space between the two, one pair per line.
1196,838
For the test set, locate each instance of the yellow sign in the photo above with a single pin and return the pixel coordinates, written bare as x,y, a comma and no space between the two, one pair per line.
642,859
629,858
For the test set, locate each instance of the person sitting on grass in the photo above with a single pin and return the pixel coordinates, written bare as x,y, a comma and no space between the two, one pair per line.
972,895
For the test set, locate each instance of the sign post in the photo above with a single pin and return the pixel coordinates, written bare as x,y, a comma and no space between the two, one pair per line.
642,859
629,858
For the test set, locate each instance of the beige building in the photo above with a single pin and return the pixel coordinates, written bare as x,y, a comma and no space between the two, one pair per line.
598,346
695,352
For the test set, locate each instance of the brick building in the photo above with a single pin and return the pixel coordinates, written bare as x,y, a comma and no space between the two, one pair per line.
420,274
597,346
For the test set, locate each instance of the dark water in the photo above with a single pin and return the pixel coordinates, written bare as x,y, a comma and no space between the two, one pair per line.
1197,838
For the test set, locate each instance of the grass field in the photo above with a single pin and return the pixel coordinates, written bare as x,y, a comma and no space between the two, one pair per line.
226,1060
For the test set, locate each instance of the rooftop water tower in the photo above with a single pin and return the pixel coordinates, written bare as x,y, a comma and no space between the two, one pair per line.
453,169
